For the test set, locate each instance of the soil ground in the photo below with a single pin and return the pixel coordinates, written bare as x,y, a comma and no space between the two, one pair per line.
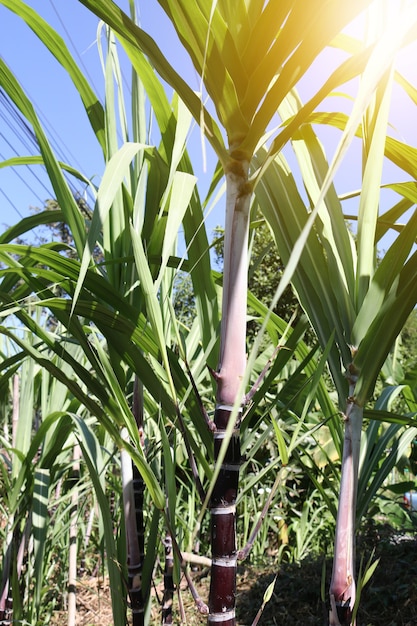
389,599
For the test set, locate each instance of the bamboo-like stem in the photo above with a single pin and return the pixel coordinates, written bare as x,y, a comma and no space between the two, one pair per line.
169,587
235,280
87,536
72,560
342,586
134,558
133,489
229,398
138,483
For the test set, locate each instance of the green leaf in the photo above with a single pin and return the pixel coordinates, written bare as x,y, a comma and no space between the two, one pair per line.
287,216
306,31
282,446
386,326
37,160
269,591
374,130
114,174
179,197
152,304
137,43
93,458
385,279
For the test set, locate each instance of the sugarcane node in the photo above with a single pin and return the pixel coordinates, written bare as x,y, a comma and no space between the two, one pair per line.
236,168
352,373
236,154
245,190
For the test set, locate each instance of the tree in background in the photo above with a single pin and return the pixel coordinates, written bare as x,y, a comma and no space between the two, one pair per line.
408,343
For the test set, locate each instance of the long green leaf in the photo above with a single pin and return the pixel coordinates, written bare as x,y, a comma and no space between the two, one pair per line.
113,177
92,457
136,42
152,304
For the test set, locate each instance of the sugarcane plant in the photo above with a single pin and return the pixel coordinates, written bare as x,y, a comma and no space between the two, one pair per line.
105,361
263,50
39,490
367,300
131,279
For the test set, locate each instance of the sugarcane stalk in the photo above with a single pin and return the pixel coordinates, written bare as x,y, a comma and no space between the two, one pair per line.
169,587
87,536
134,565
342,586
73,531
138,494
133,490
229,397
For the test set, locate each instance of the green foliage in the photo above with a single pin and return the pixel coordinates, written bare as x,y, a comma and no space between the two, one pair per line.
408,340
184,300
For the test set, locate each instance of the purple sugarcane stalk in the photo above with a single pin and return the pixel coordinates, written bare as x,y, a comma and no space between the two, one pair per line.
342,585
133,488
73,533
169,587
230,397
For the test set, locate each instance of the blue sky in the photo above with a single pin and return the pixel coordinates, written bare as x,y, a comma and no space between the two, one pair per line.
60,109
54,97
